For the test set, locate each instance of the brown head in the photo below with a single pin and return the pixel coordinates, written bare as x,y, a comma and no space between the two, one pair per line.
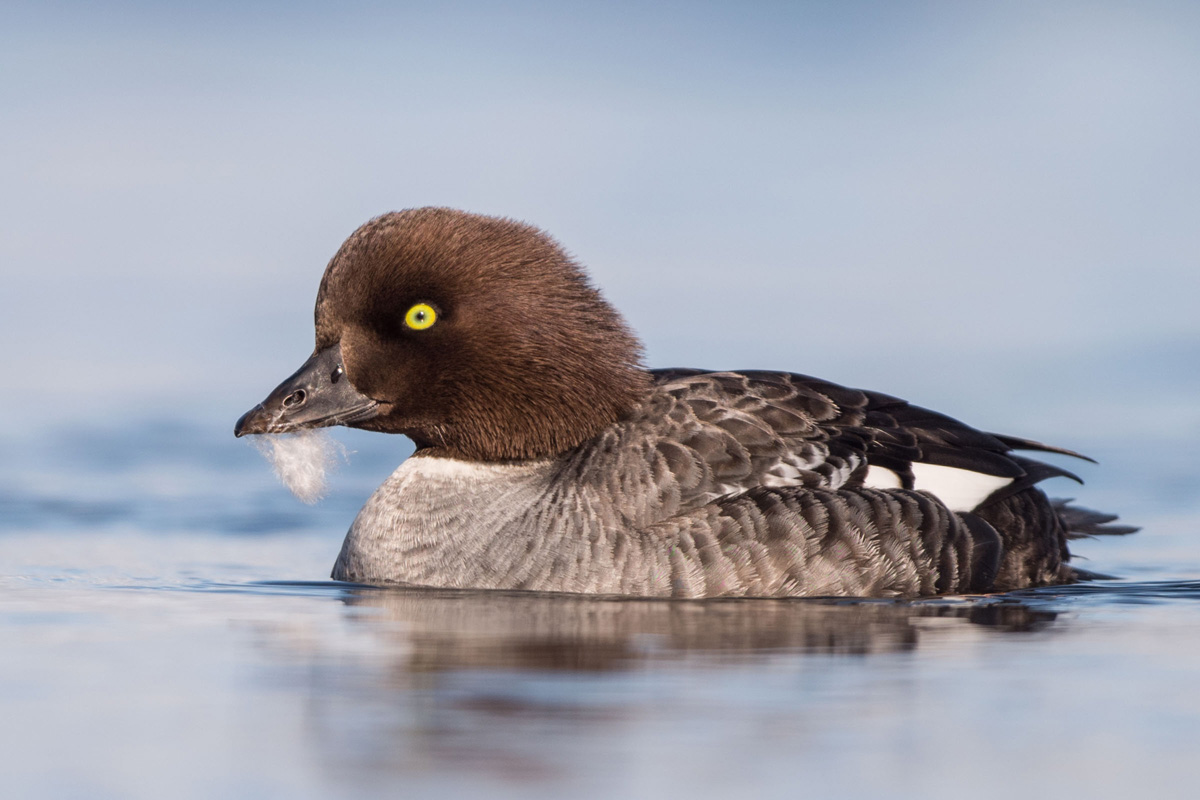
476,336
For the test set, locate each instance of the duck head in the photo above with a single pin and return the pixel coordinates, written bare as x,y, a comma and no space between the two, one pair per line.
477,337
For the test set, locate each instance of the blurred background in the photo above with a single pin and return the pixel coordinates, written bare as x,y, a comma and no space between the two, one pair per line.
991,209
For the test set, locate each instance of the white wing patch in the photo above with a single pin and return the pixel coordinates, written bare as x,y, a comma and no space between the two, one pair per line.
959,489
882,478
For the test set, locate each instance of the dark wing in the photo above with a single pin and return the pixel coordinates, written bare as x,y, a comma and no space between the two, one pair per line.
728,432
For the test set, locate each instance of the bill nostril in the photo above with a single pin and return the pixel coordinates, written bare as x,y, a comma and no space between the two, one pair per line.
295,399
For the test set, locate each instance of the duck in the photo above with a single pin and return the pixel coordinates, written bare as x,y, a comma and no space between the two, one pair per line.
549,459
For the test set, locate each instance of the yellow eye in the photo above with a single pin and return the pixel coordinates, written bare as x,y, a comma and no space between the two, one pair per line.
420,317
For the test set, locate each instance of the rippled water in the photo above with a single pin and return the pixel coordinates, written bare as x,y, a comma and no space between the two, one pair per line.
167,631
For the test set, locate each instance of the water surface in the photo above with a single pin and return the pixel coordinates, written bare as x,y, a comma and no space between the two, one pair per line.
168,631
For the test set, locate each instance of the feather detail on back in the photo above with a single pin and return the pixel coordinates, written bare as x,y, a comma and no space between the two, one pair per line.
793,430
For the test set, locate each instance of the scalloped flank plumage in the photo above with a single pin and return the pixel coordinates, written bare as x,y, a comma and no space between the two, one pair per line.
549,460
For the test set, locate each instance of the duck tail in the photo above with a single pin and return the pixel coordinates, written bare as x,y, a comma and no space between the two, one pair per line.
1083,523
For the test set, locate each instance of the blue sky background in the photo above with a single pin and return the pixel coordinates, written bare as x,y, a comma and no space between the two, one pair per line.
989,208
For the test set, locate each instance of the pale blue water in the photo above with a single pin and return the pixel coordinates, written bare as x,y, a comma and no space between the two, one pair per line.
168,630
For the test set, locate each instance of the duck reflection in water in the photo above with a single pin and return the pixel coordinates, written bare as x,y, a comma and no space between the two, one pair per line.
441,630
528,689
